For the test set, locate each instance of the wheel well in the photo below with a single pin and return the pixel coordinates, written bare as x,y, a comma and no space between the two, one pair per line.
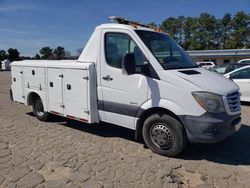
31,97
149,112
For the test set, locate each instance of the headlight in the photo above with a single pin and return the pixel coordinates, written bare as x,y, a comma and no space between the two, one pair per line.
209,101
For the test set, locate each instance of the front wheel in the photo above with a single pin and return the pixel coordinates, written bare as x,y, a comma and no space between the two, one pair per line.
38,110
164,135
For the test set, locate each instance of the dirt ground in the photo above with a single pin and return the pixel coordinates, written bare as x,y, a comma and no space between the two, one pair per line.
66,153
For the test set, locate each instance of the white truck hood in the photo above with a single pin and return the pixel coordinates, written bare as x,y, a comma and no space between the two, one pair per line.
202,79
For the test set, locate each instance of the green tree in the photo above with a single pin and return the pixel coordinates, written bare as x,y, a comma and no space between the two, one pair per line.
59,53
189,29
37,56
46,53
170,25
3,55
175,28
180,29
13,54
206,33
241,32
225,29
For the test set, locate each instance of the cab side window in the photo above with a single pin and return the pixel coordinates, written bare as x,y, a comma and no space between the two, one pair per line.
119,44
241,74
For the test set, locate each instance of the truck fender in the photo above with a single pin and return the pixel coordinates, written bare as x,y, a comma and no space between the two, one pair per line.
162,103
41,94
150,107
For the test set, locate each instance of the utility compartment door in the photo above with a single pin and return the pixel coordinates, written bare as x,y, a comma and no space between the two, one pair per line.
17,84
75,86
55,90
34,77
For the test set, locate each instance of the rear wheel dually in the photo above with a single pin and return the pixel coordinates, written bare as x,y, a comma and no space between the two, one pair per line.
164,135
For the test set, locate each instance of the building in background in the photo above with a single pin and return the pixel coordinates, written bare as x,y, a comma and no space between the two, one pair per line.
220,56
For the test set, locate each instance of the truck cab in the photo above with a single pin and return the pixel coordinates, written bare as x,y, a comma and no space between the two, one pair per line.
143,80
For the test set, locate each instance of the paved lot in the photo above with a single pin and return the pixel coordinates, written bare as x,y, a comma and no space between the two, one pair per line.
66,153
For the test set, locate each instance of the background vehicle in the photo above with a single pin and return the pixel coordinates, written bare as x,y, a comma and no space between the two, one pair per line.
241,77
135,76
244,61
226,68
206,64
5,65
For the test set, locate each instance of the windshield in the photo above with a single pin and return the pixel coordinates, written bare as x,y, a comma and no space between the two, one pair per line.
168,53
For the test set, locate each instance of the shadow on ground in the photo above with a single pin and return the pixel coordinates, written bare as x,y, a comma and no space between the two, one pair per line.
53,118
245,103
234,151
102,129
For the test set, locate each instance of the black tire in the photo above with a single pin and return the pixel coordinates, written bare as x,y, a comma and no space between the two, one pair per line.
164,135
38,110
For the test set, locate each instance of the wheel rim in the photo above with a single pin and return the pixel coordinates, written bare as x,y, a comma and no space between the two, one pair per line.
161,136
39,108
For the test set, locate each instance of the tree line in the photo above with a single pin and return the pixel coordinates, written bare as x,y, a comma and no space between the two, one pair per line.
53,54
45,53
193,33
11,54
209,33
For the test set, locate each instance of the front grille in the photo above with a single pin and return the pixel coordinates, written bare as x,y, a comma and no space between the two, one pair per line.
233,101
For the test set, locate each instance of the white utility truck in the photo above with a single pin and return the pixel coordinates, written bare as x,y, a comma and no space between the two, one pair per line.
138,77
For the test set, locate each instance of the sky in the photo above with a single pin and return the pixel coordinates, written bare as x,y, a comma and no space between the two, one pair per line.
29,25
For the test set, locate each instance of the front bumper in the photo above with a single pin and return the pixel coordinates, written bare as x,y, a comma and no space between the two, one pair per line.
211,128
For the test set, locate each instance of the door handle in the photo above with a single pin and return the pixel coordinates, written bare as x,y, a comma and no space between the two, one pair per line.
107,78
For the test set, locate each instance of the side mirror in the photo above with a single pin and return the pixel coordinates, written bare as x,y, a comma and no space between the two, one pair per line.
231,77
227,76
128,64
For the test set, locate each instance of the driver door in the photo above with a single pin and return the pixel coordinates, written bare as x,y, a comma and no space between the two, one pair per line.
122,95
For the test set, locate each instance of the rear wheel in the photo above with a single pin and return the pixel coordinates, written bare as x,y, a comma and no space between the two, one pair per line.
38,110
164,135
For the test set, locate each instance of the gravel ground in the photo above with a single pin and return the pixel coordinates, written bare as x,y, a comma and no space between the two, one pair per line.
66,153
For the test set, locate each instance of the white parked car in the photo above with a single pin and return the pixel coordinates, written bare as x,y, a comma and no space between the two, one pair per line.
206,64
241,77
244,61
